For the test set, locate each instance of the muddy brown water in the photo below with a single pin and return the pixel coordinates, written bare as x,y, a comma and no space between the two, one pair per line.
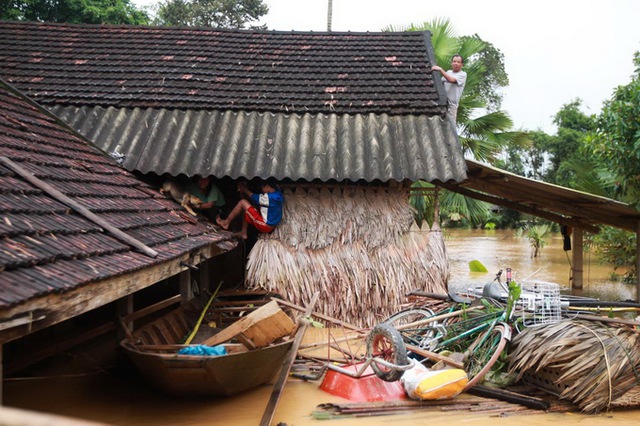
120,397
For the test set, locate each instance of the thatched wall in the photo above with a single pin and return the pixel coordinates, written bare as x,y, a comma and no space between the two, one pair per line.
360,248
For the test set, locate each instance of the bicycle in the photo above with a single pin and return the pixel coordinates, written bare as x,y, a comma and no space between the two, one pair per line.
480,337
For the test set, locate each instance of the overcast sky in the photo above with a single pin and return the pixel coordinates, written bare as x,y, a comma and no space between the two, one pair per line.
554,50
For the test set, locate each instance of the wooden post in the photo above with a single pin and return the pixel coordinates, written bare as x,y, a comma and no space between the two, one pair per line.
185,286
204,276
1,372
578,259
638,262
124,307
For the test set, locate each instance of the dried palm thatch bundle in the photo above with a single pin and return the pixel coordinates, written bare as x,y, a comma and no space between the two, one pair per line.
585,362
359,248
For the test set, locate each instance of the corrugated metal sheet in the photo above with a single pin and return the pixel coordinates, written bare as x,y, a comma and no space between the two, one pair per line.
47,247
237,144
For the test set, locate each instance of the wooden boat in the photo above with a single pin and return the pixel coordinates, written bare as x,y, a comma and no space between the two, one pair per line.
153,349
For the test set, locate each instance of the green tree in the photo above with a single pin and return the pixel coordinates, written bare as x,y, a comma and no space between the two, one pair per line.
616,141
235,14
613,150
74,11
573,127
493,76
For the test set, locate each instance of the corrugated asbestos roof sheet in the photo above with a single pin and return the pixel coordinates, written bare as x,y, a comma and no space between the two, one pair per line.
328,106
237,144
45,246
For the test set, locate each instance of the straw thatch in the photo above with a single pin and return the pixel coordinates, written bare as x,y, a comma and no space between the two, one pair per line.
585,362
360,248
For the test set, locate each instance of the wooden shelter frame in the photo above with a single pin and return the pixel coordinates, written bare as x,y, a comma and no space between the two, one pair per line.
580,210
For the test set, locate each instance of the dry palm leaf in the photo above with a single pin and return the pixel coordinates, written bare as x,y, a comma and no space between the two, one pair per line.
589,363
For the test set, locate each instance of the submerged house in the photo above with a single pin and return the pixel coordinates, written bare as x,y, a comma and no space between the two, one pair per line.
80,235
345,121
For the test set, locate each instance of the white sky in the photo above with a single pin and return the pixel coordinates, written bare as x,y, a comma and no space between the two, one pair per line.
554,50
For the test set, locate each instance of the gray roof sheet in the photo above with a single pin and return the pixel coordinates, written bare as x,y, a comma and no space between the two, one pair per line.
298,147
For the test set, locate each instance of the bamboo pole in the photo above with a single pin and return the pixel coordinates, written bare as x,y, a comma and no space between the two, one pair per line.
267,417
83,211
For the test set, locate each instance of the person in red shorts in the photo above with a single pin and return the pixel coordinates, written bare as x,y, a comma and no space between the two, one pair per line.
263,211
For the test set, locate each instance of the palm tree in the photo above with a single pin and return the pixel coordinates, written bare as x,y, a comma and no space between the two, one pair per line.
483,134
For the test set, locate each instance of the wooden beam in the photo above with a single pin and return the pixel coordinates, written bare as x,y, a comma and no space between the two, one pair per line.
60,346
577,264
638,261
596,211
59,307
141,313
78,208
563,220
535,197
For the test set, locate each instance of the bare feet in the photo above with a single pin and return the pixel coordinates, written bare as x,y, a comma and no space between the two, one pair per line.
223,223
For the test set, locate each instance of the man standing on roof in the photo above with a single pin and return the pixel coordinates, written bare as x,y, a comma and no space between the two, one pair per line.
263,211
454,81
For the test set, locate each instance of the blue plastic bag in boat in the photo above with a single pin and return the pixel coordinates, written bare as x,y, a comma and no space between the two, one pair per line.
203,350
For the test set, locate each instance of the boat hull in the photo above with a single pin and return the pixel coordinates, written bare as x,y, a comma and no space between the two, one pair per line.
224,375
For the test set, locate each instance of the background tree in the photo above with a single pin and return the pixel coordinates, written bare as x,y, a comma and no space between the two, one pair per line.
74,11
235,14
493,77
616,140
613,149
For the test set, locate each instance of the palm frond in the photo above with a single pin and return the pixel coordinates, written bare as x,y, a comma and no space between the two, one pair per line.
474,210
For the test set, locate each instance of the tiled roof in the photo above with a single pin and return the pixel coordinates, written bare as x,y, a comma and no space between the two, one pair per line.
45,246
160,67
290,105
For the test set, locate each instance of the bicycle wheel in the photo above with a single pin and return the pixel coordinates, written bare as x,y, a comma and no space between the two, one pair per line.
484,352
403,320
385,342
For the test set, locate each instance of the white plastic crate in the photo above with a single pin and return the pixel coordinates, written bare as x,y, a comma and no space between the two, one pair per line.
540,303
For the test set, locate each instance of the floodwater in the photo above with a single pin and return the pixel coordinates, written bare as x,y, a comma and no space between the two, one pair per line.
118,396
500,249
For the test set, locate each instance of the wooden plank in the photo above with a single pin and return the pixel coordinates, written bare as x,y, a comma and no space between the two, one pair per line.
267,417
141,313
317,314
434,356
78,208
59,307
263,313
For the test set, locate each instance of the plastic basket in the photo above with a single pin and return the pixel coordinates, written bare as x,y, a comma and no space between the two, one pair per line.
540,303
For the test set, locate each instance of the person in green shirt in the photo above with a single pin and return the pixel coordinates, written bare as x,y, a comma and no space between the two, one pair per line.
212,200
